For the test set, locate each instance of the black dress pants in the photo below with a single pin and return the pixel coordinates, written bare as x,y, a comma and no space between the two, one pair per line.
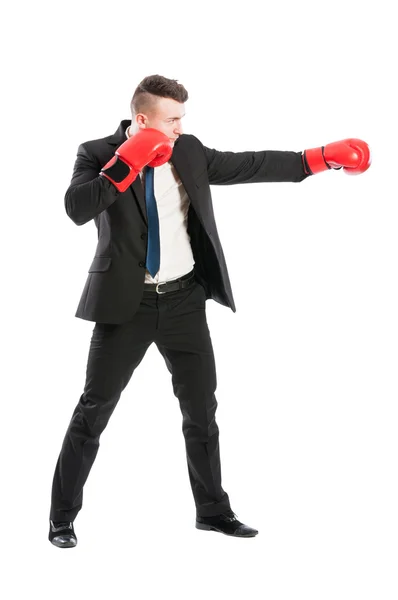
176,322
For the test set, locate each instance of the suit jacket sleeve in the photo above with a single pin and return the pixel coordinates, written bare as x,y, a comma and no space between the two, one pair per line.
88,193
227,168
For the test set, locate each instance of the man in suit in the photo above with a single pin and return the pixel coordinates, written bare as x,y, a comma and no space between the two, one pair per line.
157,261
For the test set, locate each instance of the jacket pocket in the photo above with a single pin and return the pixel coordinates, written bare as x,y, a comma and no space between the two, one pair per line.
100,263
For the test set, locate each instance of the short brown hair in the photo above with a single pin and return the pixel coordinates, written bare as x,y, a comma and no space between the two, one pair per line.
144,98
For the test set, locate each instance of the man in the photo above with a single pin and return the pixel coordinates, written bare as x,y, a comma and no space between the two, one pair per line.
157,261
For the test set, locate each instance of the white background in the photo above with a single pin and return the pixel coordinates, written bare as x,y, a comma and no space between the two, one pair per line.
306,367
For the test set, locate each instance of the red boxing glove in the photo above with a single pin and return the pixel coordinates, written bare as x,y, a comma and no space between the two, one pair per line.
352,155
147,146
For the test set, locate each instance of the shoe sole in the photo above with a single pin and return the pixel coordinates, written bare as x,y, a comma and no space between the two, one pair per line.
70,544
206,527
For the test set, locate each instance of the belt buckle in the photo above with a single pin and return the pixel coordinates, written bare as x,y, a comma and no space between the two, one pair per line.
157,286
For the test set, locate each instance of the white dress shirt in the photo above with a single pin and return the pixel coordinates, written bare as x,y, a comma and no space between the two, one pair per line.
176,257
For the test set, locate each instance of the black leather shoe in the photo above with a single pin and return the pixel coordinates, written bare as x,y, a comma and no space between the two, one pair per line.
226,523
62,534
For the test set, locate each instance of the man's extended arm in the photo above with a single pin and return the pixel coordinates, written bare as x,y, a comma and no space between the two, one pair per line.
227,168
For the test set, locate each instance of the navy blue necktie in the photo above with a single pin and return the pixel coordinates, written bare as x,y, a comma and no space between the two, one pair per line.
153,248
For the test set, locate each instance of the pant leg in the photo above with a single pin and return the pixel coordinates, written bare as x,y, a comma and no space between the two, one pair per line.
115,352
184,341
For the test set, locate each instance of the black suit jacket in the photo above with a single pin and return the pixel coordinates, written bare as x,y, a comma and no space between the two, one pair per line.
115,282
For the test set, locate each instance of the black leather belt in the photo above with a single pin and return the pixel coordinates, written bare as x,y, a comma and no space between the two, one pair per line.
171,286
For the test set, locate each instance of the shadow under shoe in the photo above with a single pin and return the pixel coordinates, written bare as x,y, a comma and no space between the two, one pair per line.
226,523
62,534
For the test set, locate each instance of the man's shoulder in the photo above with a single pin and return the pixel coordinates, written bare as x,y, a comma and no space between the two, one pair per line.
97,143
189,138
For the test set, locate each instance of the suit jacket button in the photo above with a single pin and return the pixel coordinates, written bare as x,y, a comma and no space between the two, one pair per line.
143,236
142,264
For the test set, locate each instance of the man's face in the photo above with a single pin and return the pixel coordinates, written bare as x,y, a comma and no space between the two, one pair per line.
166,118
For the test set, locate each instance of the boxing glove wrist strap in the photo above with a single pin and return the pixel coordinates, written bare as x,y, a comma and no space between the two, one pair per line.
119,173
